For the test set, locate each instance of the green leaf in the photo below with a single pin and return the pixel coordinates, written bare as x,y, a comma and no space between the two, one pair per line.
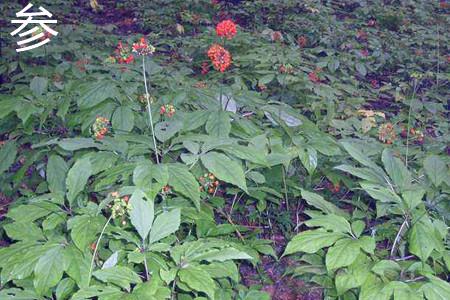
123,119
56,174
95,93
97,291
266,79
222,270
218,124
198,280
48,270
333,65
72,144
319,202
330,222
308,157
436,289
38,85
311,241
142,213
145,174
345,282
342,254
22,231
165,224
387,269
118,275
184,182
77,178
28,212
248,153
363,173
166,130
222,254
8,154
358,227
396,170
84,229
361,69
436,169
65,288
361,157
422,239
111,261
413,198
225,169
381,193
18,294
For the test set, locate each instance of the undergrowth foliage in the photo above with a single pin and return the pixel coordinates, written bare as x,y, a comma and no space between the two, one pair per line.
152,166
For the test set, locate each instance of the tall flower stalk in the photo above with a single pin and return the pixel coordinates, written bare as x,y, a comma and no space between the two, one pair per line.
149,110
143,48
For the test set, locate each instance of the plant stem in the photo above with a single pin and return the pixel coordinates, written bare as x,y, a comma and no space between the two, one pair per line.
145,261
399,235
96,249
174,283
149,109
409,122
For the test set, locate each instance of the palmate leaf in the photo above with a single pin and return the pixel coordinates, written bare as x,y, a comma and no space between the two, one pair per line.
38,85
319,202
165,224
311,241
8,154
308,157
396,170
225,169
142,213
94,93
362,158
56,174
118,275
218,124
123,119
182,181
65,288
77,178
436,289
330,222
48,270
84,229
342,254
198,279
98,291
436,169
423,239
220,254
18,294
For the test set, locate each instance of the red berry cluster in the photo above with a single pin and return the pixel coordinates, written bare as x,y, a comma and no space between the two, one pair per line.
302,41
286,69
387,134
416,135
100,127
314,75
226,29
123,54
208,183
220,57
333,187
143,48
167,110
